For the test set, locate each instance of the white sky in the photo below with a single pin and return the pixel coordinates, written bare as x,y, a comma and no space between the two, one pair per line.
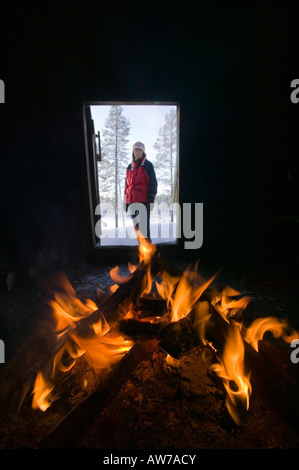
145,120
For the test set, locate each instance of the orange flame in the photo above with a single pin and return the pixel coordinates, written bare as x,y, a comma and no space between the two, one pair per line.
226,305
117,277
189,289
202,316
67,309
41,393
146,249
166,287
231,370
102,350
279,329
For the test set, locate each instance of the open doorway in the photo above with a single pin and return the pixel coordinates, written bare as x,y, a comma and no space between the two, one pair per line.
114,128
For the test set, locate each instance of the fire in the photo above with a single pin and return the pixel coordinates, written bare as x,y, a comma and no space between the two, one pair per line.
235,380
67,308
105,347
41,393
146,252
166,287
146,249
113,288
117,277
101,350
189,289
202,316
279,329
227,305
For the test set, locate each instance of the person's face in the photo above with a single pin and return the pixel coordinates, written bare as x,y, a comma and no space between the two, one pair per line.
138,153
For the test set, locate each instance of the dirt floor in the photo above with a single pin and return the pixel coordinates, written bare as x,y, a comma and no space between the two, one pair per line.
144,402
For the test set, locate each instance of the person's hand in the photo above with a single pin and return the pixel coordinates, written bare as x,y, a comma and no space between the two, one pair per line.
150,202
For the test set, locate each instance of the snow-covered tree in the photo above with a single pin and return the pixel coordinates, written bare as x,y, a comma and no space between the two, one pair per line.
166,148
112,168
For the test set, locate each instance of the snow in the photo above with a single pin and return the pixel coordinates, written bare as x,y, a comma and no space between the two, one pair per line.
161,232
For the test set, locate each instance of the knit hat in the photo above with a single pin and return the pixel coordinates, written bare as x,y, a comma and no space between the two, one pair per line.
139,145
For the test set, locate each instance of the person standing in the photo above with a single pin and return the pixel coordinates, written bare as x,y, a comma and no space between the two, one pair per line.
140,187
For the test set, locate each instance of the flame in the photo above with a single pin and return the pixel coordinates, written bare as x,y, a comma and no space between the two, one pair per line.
146,249
117,277
103,349
279,329
113,288
166,287
42,393
132,267
202,316
225,303
67,308
231,370
146,252
106,346
189,289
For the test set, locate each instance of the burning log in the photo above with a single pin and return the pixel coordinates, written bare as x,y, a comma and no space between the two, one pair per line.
182,315
80,326
66,434
273,385
136,329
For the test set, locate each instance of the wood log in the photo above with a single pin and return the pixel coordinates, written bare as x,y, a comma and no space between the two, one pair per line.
67,433
151,307
135,329
120,299
111,311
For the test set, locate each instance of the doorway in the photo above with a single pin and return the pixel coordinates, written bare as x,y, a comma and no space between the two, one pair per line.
111,130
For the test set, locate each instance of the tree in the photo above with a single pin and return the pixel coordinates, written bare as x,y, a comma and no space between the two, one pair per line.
166,148
114,152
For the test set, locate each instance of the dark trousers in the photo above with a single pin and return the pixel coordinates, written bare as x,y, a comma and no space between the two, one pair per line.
135,214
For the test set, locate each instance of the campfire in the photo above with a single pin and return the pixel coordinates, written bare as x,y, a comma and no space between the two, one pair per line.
173,317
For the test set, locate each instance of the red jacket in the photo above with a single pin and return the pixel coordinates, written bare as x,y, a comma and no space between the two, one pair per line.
141,182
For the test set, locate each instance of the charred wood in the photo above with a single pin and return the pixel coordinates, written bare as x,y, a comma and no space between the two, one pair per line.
66,434
273,385
111,311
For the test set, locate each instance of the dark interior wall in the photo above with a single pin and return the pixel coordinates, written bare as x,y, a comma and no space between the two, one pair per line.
275,143
230,69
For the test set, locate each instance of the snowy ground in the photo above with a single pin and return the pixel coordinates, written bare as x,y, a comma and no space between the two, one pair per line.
162,231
